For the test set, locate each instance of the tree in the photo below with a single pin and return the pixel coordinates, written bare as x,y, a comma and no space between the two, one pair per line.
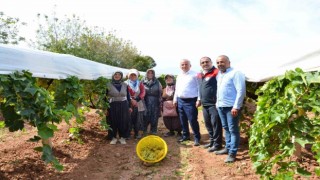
143,63
9,29
73,36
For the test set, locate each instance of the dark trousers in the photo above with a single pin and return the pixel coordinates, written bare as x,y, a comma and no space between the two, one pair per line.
152,115
188,112
213,125
118,119
136,121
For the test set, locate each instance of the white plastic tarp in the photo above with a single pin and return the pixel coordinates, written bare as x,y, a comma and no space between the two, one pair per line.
264,70
60,66
52,65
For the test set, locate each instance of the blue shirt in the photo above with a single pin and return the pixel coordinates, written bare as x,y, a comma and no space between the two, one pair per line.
231,88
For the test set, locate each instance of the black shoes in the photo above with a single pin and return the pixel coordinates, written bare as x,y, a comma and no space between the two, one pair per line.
208,145
184,139
196,142
230,159
222,151
214,148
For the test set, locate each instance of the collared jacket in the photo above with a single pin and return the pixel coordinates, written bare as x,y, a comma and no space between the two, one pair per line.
208,87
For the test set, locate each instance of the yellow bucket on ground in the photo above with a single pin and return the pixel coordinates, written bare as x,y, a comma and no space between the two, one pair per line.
151,149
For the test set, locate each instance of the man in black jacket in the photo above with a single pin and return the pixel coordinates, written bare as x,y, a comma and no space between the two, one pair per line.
208,97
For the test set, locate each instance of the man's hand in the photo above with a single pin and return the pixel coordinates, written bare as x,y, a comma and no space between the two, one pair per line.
175,103
234,112
130,110
198,103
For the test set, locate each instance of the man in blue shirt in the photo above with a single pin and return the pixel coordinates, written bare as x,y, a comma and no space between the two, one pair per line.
231,91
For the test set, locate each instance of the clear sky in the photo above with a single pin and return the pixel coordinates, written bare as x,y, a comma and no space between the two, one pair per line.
250,32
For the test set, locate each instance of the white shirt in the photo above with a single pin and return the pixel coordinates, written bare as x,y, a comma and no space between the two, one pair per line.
187,85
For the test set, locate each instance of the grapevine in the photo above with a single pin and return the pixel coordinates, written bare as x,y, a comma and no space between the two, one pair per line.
288,109
24,100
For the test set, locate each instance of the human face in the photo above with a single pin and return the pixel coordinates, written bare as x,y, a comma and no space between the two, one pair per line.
169,80
185,65
117,76
133,77
150,75
223,63
206,63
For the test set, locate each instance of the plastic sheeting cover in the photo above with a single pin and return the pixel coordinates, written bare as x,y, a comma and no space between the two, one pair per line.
52,65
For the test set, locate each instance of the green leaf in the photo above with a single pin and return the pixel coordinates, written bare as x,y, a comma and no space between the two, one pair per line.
47,155
45,132
303,141
73,130
12,120
27,112
317,171
53,127
31,90
2,124
303,172
39,148
57,165
35,139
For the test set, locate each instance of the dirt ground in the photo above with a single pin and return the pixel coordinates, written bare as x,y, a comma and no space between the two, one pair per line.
97,159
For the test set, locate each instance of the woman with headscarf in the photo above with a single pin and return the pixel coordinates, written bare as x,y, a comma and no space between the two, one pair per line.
137,93
118,112
153,98
169,111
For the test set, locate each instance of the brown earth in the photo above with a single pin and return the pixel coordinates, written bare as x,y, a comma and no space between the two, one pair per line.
97,159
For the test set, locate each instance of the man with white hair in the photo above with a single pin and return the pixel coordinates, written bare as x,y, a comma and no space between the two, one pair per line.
187,99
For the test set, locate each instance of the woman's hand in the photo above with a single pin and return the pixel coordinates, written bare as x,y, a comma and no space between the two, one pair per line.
134,102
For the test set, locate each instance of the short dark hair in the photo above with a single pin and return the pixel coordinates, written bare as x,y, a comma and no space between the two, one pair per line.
226,57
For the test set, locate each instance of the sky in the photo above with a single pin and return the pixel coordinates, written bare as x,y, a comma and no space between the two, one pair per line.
254,34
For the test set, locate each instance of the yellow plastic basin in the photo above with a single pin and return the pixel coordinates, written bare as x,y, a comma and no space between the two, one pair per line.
151,149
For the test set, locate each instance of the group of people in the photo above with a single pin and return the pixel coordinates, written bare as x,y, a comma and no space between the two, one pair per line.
135,104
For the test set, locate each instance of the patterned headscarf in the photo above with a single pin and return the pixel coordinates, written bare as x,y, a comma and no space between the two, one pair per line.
149,82
170,88
171,76
134,85
117,81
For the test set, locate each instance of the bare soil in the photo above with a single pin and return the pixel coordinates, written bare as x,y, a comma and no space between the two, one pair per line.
97,159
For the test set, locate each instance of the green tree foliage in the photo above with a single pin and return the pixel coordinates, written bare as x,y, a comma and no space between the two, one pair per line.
73,36
142,63
287,112
9,29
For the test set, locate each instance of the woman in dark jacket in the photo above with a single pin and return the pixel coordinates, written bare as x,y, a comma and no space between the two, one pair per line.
153,90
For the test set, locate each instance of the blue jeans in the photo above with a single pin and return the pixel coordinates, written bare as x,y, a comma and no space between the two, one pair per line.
213,125
188,112
231,126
